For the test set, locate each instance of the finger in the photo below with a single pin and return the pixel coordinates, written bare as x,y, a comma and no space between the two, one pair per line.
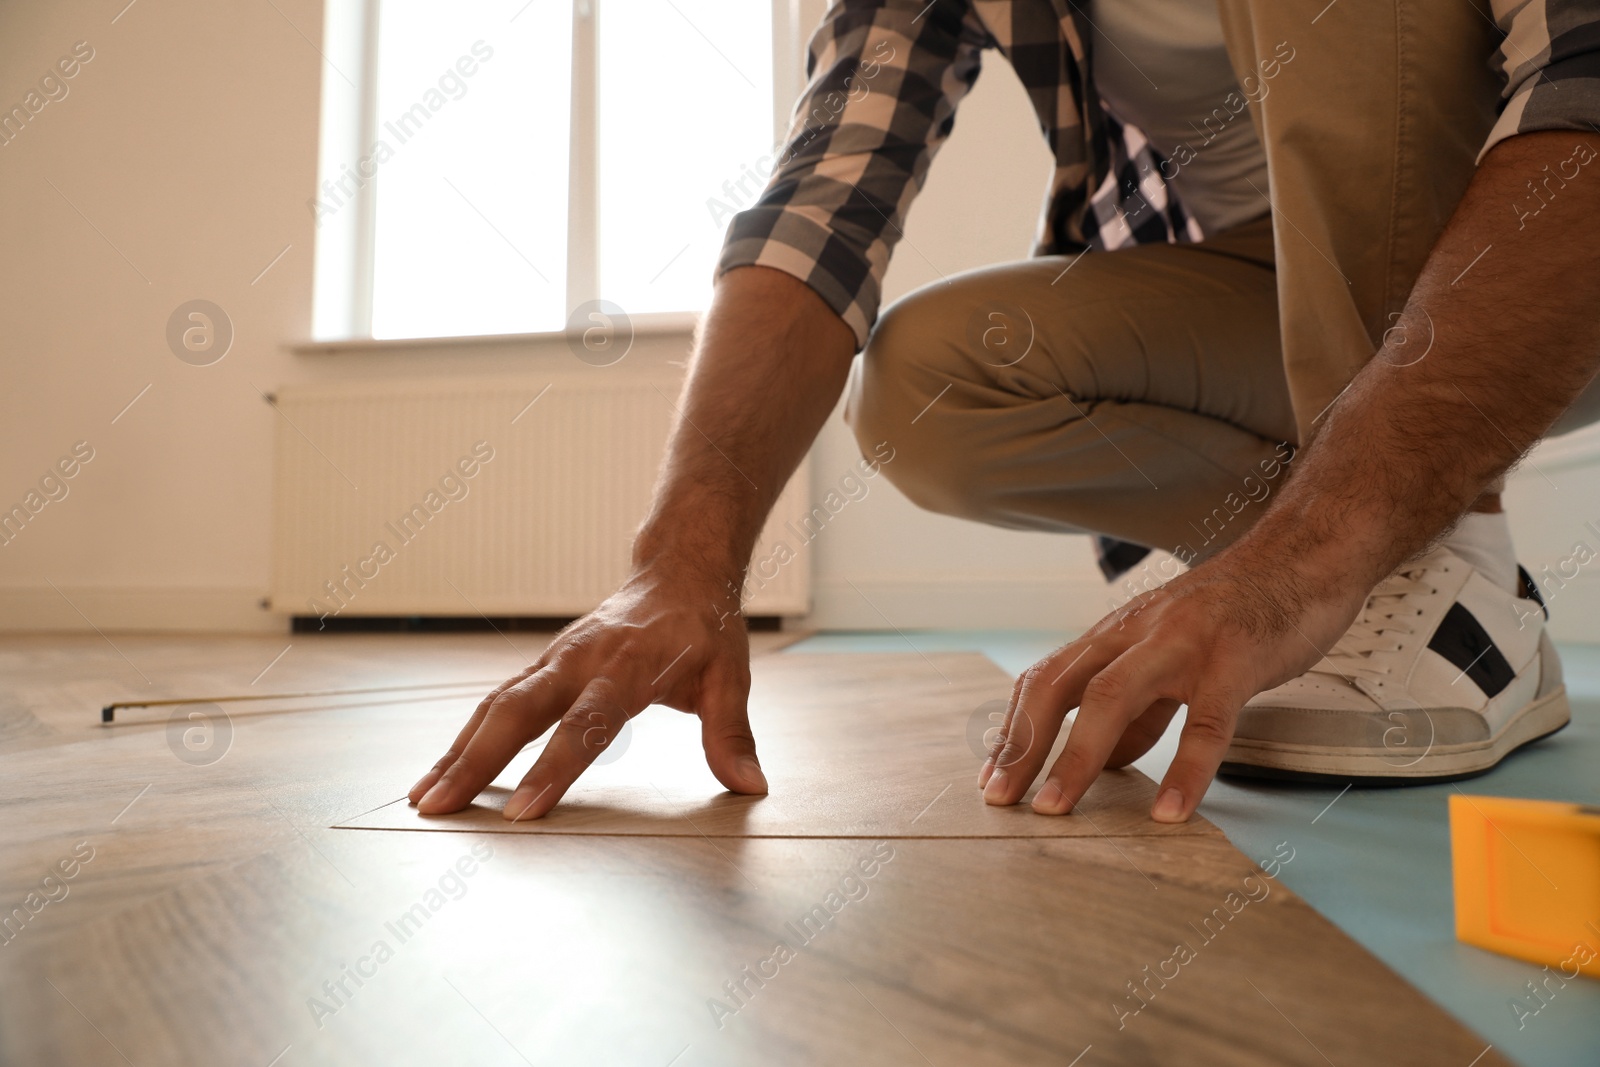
520,713
1067,670
725,731
1207,730
453,753
595,720
1000,738
1049,690
1112,699
1142,733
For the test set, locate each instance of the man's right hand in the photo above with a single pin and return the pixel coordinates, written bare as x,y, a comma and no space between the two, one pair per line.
768,367
660,639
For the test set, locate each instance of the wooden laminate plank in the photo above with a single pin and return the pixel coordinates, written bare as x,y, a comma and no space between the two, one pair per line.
63,681
873,745
852,745
842,762
209,902
56,684
590,950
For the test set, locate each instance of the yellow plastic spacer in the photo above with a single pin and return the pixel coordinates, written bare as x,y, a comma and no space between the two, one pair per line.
1527,879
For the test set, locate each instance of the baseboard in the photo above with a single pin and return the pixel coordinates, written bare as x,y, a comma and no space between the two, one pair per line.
976,603
136,609
957,602
909,603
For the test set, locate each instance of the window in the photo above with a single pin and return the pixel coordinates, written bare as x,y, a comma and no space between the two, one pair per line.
489,166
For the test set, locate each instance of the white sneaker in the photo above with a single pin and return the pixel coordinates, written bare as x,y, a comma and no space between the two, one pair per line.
1442,675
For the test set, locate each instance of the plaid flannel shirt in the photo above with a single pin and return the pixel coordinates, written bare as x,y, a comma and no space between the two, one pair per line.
886,77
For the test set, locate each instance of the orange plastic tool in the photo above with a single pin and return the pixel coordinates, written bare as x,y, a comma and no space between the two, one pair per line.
1527,879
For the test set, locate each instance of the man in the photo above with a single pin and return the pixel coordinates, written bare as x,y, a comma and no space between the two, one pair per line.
1392,297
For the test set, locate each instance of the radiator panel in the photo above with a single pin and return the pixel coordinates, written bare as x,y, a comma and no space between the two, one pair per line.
375,512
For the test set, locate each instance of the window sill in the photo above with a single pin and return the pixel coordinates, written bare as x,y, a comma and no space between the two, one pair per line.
657,324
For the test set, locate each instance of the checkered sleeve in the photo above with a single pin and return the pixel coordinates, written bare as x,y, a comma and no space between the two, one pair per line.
1551,62
885,77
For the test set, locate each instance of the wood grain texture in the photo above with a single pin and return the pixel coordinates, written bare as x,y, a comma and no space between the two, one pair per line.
570,950
216,900
260,770
853,745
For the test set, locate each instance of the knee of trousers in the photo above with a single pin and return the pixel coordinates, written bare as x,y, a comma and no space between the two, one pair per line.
912,391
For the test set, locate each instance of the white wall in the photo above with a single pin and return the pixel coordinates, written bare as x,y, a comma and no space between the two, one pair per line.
1553,499
188,143
178,167
186,147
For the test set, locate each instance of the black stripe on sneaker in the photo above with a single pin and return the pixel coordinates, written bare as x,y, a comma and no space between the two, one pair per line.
1527,583
1463,641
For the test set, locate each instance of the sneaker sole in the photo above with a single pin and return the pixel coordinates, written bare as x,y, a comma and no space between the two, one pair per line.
1308,763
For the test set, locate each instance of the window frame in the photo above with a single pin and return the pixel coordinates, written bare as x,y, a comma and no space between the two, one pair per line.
346,242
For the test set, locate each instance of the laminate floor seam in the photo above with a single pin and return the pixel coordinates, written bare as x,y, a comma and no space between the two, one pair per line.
1199,835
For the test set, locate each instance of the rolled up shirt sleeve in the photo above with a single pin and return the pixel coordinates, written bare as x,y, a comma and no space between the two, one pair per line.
885,77
1551,62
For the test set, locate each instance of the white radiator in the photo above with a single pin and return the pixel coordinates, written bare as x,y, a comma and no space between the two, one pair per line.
452,498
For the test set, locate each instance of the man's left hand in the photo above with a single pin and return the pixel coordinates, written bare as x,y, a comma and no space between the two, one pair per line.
1211,638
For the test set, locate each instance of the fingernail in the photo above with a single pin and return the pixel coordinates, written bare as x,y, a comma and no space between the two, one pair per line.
434,795
519,804
985,772
996,789
1169,806
423,784
750,772
1050,800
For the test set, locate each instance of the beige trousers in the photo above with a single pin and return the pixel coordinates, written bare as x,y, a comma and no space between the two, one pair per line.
1147,393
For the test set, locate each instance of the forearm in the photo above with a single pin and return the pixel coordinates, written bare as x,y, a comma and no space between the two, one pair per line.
1499,337
768,368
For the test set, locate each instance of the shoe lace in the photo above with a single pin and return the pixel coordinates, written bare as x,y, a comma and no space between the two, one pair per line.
1380,630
